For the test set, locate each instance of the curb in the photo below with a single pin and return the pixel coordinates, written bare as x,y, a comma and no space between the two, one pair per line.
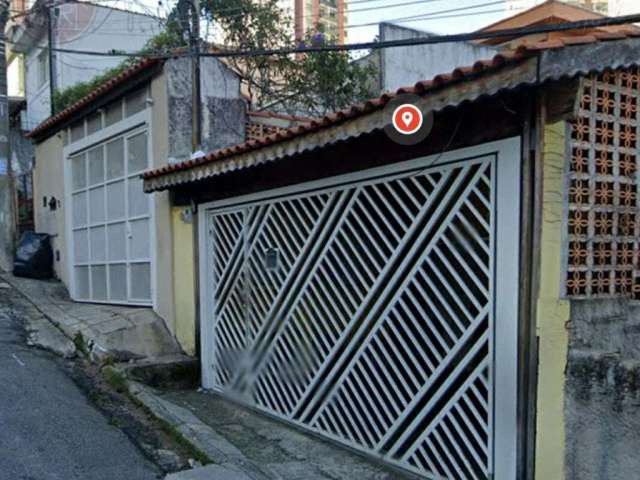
58,325
222,453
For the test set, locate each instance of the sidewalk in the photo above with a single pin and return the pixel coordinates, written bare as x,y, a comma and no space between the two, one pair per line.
122,333
244,445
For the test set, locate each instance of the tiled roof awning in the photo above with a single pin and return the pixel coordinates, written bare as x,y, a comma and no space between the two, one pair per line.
530,64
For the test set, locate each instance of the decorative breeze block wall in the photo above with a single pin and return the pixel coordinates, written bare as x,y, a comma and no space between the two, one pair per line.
603,213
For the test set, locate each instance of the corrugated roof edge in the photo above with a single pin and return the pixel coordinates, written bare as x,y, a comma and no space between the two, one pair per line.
55,120
420,88
354,111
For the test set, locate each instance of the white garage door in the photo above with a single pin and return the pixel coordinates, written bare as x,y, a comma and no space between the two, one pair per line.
111,248
376,309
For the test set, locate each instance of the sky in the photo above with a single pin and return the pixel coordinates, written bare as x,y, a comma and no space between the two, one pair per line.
448,16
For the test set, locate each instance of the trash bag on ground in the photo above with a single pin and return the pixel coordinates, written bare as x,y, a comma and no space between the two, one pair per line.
34,256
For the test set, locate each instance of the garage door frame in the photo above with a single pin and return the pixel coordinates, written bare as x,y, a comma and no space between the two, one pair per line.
135,124
506,275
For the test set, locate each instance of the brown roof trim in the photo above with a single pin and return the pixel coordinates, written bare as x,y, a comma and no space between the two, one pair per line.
236,155
333,119
51,124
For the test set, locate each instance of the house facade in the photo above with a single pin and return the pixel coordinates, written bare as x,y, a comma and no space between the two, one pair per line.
459,308
74,26
112,243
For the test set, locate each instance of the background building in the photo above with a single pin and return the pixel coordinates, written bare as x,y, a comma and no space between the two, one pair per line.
606,7
329,16
74,26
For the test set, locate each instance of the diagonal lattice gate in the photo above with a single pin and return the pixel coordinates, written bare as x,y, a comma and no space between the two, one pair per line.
365,312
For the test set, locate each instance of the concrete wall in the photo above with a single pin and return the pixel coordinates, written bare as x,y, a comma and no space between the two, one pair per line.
603,390
223,111
223,124
404,66
48,181
588,403
552,314
184,279
22,152
83,27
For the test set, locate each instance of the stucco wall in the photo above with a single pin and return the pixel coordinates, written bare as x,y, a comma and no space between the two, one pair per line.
162,206
603,390
223,124
552,314
403,66
95,27
48,181
184,280
223,111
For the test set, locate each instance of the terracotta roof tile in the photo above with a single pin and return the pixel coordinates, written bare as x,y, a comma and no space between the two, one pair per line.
459,74
102,90
340,116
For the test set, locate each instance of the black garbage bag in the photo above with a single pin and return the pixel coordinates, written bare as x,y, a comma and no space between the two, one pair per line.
34,257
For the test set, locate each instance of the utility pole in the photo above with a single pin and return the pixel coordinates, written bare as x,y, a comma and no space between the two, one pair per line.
196,114
52,72
7,210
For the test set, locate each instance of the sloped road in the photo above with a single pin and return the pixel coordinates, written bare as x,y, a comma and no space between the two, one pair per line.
48,429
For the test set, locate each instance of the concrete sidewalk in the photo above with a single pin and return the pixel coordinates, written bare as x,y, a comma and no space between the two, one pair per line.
244,445
122,333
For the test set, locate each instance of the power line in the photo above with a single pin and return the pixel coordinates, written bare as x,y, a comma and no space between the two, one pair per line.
345,11
420,18
436,39
426,16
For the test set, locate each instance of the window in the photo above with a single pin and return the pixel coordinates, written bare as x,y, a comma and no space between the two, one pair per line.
43,67
136,102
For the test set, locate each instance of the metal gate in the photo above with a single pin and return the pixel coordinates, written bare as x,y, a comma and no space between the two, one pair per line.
363,308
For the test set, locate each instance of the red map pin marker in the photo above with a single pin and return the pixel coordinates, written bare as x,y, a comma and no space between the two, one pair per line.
407,119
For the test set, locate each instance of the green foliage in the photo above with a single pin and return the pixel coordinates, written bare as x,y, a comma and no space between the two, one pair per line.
81,345
64,98
316,83
330,81
165,41
249,25
115,379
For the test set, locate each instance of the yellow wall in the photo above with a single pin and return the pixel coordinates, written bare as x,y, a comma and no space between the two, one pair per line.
162,206
184,281
552,315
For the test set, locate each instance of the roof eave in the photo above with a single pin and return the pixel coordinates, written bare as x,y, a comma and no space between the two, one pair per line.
469,88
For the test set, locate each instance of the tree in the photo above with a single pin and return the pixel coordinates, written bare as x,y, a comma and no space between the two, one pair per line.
329,81
314,83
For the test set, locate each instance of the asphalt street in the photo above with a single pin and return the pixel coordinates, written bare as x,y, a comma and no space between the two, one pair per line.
48,428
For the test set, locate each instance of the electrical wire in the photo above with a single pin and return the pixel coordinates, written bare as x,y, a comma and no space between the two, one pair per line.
436,39
420,18
425,16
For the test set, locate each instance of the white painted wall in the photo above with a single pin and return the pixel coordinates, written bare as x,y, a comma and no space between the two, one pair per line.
404,66
83,27
623,7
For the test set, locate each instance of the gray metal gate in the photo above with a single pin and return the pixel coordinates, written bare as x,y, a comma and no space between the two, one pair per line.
364,311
